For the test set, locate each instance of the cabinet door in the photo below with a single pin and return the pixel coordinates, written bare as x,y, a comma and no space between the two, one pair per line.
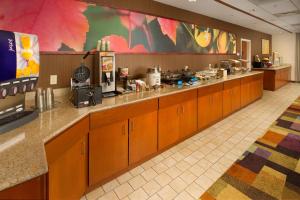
68,162
261,86
236,97
108,152
188,118
217,106
246,91
257,88
34,189
68,173
227,101
142,136
204,110
231,96
257,85
168,126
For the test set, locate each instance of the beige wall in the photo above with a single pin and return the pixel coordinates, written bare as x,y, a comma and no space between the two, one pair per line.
285,45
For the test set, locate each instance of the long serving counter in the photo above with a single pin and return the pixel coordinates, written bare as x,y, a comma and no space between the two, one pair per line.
22,151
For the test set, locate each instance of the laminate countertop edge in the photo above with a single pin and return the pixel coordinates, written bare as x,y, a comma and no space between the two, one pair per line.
22,152
273,68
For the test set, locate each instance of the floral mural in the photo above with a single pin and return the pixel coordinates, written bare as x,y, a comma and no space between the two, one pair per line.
70,25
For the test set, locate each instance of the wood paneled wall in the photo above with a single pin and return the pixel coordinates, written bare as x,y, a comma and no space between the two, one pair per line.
63,64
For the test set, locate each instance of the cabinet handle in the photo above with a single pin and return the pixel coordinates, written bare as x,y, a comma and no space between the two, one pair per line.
182,109
178,110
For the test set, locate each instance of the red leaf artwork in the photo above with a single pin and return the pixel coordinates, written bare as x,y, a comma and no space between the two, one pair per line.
119,44
132,20
168,27
54,21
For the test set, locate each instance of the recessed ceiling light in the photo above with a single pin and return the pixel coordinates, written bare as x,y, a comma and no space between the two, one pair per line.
192,0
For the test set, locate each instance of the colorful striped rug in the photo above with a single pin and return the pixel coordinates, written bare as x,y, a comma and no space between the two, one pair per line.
269,169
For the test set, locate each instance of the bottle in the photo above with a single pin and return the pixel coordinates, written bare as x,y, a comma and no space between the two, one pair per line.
99,45
107,46
103,43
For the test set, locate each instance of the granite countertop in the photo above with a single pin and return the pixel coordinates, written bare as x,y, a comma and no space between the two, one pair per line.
274,68
22,152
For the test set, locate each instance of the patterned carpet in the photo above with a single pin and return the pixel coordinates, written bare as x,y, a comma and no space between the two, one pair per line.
269,169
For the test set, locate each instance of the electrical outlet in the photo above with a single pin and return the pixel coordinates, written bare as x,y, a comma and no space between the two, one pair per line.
53,79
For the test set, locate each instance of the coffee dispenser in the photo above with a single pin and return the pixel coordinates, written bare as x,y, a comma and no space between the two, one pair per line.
105,73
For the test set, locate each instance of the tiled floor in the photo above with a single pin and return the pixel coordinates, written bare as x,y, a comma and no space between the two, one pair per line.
186,170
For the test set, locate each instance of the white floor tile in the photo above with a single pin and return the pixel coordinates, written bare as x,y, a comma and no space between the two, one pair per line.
194,190
139,194
167,193
151,187
149,174
95,194
109,196
178,185
110,185
123,190
137,182
163,179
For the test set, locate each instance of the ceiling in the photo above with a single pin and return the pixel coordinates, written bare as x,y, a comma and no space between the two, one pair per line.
282,13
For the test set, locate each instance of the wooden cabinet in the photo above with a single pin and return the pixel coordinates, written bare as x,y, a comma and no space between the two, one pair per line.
67,162
251,89
274,78
168,126
188,117
34,189
108,150
246,90
120,137
210,105
142,136
177,117
282,77
231,96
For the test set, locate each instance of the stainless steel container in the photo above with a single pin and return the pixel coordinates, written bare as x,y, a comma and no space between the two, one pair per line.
49,98
40,100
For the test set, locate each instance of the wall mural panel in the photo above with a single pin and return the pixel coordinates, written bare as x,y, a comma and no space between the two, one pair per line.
69,25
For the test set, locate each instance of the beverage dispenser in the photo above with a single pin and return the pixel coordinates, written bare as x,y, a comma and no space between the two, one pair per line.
19,72
105,73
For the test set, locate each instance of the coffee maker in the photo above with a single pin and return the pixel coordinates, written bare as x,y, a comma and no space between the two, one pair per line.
105,72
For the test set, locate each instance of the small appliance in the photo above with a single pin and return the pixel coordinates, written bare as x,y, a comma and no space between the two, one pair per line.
87,96
153,77
257,62
83,93
19,72
105,72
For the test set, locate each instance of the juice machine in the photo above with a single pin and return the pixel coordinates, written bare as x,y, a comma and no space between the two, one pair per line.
105,73
19,72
